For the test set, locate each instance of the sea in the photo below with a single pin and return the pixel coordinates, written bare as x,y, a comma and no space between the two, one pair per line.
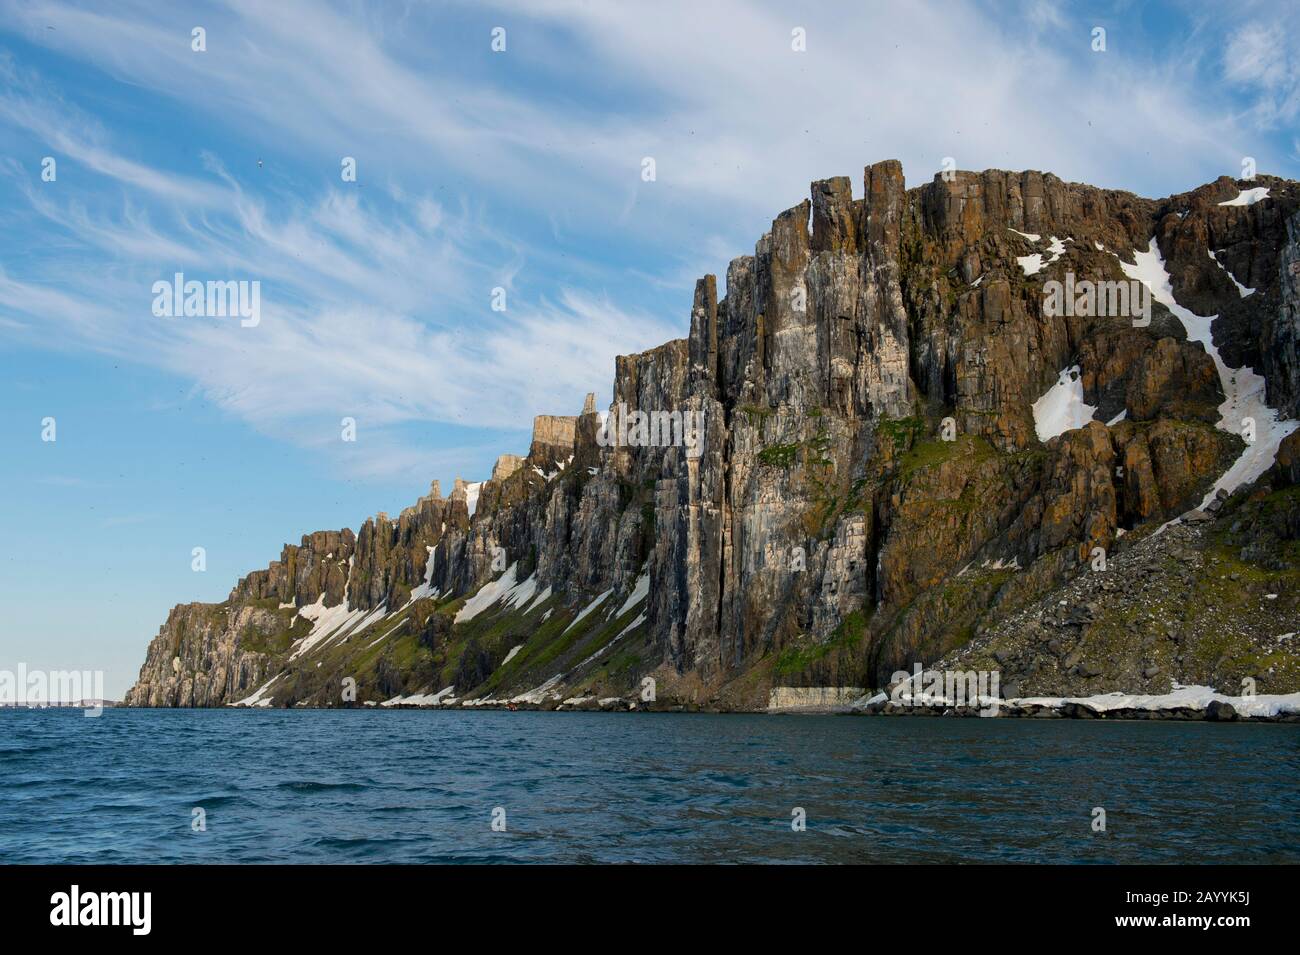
438,786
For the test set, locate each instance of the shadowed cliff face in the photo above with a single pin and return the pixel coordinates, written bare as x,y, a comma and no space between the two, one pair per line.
869,452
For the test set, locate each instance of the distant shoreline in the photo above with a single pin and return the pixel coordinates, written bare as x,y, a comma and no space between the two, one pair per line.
1215,713
78,705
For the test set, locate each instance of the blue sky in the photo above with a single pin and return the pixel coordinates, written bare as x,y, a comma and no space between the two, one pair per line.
476,169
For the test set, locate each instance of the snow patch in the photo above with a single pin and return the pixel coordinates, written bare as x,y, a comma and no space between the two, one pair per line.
422,699
1244,389
540,599
588,609
640,619
639,592
1000,564
1242,291
505,588
256,698
1061,408
1033,264
538,694
387,633
1192,697
1248,197
426,589
327,622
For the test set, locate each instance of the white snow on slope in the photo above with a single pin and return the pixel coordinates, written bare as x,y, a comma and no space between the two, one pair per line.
1248,197
1001,564
505,588
640,619
256,698
559,469
639,592
1244,389
1117,419
327,622
426,589
471,496
1031,236
511,655
1033,264
421,699
330,623
541,598
540,693
522,594
387,633
1061,408
600,599
379,613
1241,289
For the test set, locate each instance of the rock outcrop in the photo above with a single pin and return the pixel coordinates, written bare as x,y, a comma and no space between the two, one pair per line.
863,455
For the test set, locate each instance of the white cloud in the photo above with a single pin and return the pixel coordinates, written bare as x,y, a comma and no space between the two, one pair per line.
375,299
381,314
1044,14
1265,58
713,91
71,133
387,369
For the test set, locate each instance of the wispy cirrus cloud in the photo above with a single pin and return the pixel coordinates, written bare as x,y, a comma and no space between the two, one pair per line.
30,104
522,171
1264,58
383,318
730,112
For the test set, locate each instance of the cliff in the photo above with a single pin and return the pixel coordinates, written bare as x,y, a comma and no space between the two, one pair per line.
885,444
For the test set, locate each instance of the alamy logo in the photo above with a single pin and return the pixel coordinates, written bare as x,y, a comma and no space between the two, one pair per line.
194,299
1131,299
40,688
75,907
947,688
653,429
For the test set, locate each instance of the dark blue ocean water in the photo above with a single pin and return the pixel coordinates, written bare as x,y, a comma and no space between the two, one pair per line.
421,786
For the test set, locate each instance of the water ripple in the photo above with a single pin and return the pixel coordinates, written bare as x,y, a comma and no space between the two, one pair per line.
411,786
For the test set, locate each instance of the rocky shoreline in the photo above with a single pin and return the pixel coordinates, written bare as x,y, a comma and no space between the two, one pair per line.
1187,704
1214,712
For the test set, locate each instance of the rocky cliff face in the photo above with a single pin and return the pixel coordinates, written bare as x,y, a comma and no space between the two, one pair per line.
885,444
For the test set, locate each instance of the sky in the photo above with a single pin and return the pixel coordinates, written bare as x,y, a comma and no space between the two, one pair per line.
500,242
